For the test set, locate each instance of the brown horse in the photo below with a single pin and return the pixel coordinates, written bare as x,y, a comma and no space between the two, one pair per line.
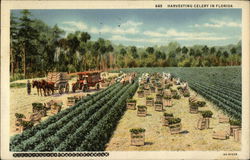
49,86
38,85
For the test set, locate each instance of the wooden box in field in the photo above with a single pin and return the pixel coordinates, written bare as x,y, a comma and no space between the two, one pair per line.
237,135
146,92
71,101
203,123
140,94
158,107
165,119
232,128
56,105
167,102
152,89
175,128
222,135
141,111
35,117
78,98
192,100
159,98
56,108
193,109
223,119
131,105
105,84
149,102
159,91
138,138
18,126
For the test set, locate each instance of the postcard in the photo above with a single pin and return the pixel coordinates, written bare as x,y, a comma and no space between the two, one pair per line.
125,80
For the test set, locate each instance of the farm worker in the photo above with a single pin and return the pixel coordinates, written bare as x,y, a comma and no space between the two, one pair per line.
185,85
28,87
178,81
130,79
139,80
148,79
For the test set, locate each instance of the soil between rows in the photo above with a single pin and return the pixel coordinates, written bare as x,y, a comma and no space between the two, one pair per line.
158,137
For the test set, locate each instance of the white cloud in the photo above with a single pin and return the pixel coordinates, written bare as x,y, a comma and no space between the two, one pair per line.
174,33
214,23
76,25
122,38
131,24
123,29
68,29
202,38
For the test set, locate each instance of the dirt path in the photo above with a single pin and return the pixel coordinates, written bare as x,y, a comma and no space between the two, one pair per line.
21,102
158,137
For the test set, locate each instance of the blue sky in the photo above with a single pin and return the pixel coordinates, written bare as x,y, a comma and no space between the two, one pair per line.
149,27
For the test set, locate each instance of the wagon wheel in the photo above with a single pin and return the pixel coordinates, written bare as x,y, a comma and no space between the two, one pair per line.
60,89
97,86
67,88
73,88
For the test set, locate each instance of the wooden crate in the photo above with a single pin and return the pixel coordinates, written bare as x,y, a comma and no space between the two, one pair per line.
18,126
203,123
150,102
159,98
193,110
146,92
131,106
223,119
232,127
152,90
55,108
165,120
105,84
237,135
71,101
167,102
175,128
35,117
159,91
222,135
140,94
141,113
192,99
137,139
158,107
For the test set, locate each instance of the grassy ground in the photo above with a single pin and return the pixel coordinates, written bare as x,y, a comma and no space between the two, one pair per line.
158,137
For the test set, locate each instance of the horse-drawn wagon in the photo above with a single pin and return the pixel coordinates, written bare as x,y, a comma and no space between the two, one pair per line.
59,80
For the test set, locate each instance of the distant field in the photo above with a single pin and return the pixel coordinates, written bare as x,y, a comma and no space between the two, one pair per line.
221,85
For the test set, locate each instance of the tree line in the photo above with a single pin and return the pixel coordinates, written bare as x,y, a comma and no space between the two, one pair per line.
36,49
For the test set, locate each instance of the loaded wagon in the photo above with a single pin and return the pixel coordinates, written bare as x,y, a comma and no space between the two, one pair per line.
60,81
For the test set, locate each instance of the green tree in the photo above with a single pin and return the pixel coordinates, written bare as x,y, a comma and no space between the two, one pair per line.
233,50
123,52
27,35
184,50
150,50
212,50
205,50
13,43
133,51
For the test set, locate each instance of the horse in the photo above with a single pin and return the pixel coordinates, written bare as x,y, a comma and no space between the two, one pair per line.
49,86
37,84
